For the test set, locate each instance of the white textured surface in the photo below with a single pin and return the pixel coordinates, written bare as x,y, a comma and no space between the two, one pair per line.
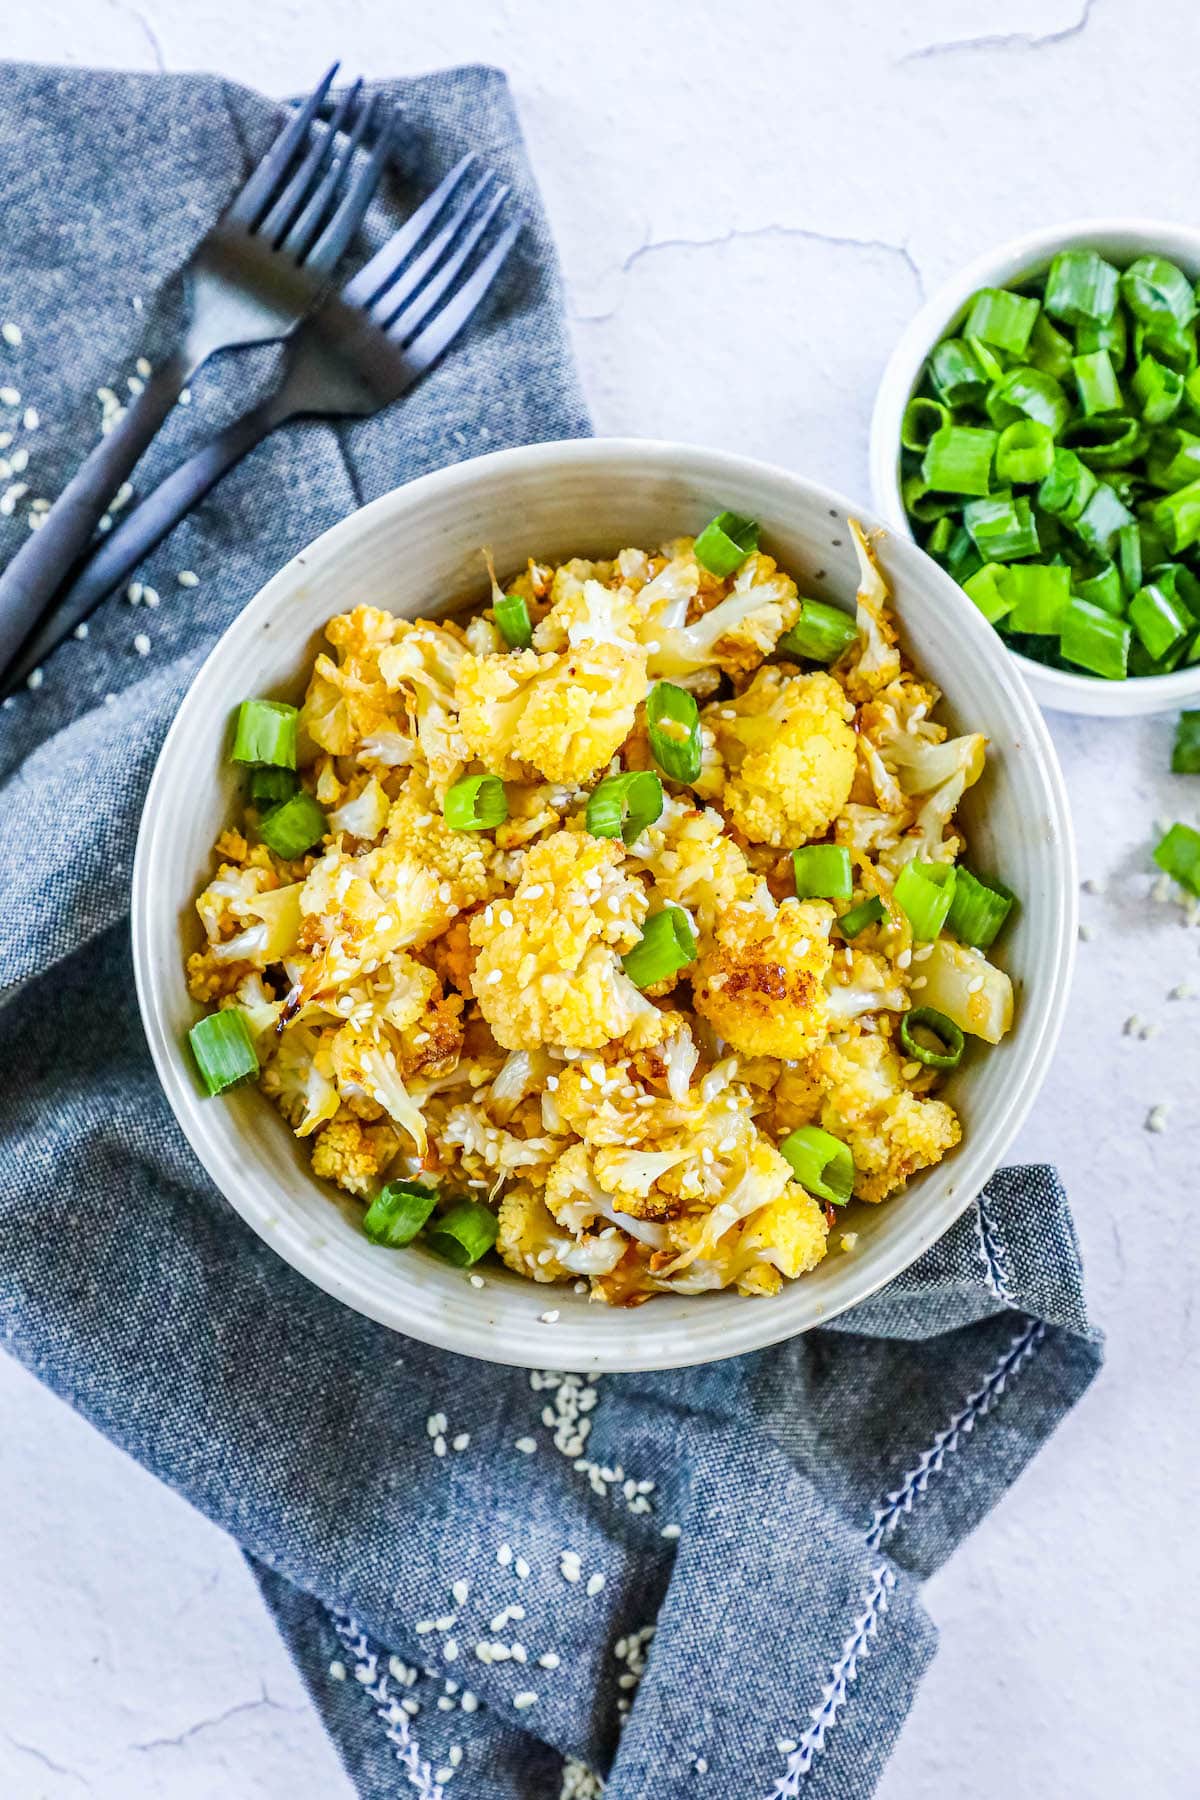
746,220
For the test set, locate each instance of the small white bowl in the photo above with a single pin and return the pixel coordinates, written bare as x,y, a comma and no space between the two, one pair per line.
1121,240
415,551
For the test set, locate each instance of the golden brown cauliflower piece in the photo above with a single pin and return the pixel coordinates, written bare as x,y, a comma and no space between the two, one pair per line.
694,863
787,1237
353,1155
761,985
789,756
548,970
564,715
891,1131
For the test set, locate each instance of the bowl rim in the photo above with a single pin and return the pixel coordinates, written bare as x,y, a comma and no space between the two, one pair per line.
1057,688
765,1323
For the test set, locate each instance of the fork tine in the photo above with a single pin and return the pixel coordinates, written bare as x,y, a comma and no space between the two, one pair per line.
425,349
410,318
367,283
257,192
309,172
409,280
348,216
303,230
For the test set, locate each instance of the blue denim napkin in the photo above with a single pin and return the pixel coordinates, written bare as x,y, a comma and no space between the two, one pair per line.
495,1584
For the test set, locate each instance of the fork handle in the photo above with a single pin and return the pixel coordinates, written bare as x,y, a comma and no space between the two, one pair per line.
35,573
120,552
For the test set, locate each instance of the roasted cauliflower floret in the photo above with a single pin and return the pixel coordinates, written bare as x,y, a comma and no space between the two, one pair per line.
786,1237
528,1238
354,1155
891,1131
761,985
564,715
876,660
299,1077
548,970
694,863
733,635
788,754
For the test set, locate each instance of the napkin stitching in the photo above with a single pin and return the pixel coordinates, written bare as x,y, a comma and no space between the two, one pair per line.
387,1709
992,1251
835,1693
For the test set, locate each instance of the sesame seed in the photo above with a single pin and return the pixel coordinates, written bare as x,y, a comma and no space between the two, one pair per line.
31,418
594,1584
911,1070
412,1707
1148,1031
535,892
921,981
1182,992
522,1568
785,1746
9,396
568,1567
1156,1118
1085,935
904,958
134,383
671,1531
504,1555
526,1445
454,1755
449,1649
11,333
150,596
19,461
337,1670
133,593
524,1699
549,1318
460,1590
701,1765
423,1627
34,679
1131,1024
141,644
462,1440
188,578
477,1281
439,1446
143,367
468,1701
506,917
549,1660
435,1424
81,630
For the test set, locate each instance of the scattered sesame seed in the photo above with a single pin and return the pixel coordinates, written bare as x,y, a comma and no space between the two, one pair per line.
522,1568
337,1670
150,596
134,383
594,1584
549,1660
1131,1025
185,396
462,1440
904,958
11,333
141,644
524,1699
477,1281
439,1446
911,1070
122,497
423,1627
188,578
143,367
526,1445
34,679
81,630
920,981
551,1317
975,983
110,699
504,1555
133,593
785,1746
10,396
849,1240
31,418
1156,1118
671,1531
701,1765
435,1424
493,976
468,1701
454,1756
1148,1031
19,461
1182,992
568,1566
449,1649
1085,937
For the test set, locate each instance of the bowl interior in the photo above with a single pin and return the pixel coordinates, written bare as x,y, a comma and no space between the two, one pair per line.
416,551
1121,240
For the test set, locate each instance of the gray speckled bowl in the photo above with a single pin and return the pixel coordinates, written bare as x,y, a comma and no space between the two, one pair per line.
414,551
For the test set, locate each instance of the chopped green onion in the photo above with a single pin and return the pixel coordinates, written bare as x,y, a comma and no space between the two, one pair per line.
1081,288
667,944
821,1163
1096,381
1040,594
1185,757
1028,394
924,892
1158,619
922,503
1111,441
725,543
397,1213
955,373
978,909
1158,293
624,805
988,361
224,1050
1101,520
1049,350
1113,337
1104,590
1025,451
463,1234
923,419
512,617
266,733
1095,640
986,588
962,558
946,1050
822,633
1002,528
1002,320
959,460
867,912
938,541
1177,580
1068,487
1174,458
293,827
1157,389
269,786
1178,855
1129,555
1177,516
476,803
673,727
822,872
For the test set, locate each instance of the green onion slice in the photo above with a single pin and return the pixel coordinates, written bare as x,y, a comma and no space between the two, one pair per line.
1157,389
1040,594
269,786
667,944
266,733
946,1050
923,892
726,542
1068,487
1177,516
1101,519
224,1050
978,909
293,826
512,617
1097,384
959,460
822,872
463,1234
1093,639
624,805
397,1213
673,727
922,420
1002,528
1111,441
1178,855
1158,293
1002,320
476,803
955,372
938,541
1049,350
1129,555
987,588
1104,589
822,633
1081,288
1159,620
1185,757
1028,394
867,912
821,1163
1025,451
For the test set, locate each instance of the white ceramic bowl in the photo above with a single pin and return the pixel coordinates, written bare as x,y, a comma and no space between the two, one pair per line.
1121,240
417,549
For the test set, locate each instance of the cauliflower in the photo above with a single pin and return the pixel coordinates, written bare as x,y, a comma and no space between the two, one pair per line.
789,756
758,1177
299,1077
417,828
250,922
353,1155
532,1243
564,715
862,981
366,1070
349,699
422,666
891,1132
876,660
785,1237
586,612
734,635
694,863
761,984
548,970
963,984
364,814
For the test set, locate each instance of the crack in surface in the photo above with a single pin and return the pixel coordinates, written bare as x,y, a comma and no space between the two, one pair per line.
39,1756
231,1712
1005,40
738,233
145,27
